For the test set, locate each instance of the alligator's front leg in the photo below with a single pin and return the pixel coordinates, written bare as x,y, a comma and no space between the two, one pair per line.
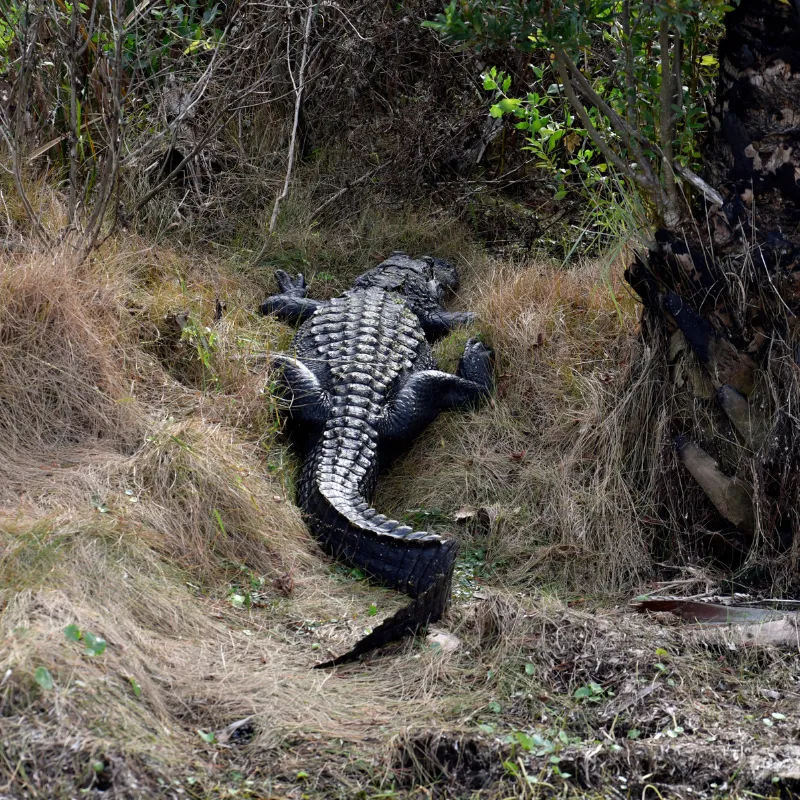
440,323
291,304
425,394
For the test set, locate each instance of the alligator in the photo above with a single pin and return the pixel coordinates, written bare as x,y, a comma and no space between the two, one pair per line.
360,384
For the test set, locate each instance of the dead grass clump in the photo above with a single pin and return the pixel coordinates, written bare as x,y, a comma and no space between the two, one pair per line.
332,256
200,321
72,720
65,364
559,455
206,503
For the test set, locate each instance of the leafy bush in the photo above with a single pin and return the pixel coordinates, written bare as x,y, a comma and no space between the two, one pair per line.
614,87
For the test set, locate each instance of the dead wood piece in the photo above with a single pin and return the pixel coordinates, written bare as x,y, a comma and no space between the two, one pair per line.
732,498
709,613
625,701
739,411
742,625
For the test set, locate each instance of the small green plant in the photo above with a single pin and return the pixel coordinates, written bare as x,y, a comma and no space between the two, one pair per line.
592,693
95,645
206,344
641,105
248,591
43,677
422,518
208,738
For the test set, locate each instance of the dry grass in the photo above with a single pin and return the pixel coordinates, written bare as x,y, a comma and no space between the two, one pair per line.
146,500
65,364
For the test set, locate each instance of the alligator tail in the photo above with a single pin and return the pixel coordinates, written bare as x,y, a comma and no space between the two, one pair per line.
425,608
417,563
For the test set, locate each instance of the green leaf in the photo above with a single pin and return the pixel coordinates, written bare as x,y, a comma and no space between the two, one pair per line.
524,741
583,693
302,775
73,633
489,83
95,645
44,678
508,104
661,652
208,738
708,61
137,690
496,111
634,733
530,669
511,768
495,707
237,600
372,610
208,17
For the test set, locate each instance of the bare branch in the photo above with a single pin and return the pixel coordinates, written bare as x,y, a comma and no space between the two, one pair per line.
708,191
110,175
297,104
336,195
666,118
72,66
14,142
632,136
630,80
594,134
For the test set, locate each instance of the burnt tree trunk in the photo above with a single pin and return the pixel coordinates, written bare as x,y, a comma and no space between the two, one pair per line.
722,298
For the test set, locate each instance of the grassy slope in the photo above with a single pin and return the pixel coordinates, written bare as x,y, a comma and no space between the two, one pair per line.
146,499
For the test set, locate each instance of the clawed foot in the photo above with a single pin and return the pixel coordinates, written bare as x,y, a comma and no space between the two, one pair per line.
477,364
292,287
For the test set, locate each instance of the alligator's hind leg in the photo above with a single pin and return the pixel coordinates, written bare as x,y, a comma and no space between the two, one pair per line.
307,401
424,394
291,304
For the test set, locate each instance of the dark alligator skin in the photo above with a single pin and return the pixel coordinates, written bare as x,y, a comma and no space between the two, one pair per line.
361,383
